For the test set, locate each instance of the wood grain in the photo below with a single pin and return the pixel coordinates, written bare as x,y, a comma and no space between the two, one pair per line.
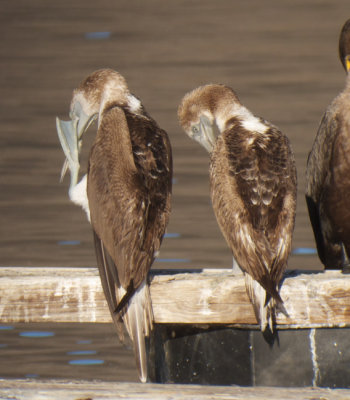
93,390
194,297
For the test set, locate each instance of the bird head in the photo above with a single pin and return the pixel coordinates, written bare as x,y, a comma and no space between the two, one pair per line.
344,46
201,108
89,98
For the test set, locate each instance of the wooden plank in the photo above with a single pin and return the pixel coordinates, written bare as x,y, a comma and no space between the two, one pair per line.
51,295
208,297
311,299
94,390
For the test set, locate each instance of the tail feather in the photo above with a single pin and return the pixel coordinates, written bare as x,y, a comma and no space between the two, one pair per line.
264,307
130,310
264,295
138,320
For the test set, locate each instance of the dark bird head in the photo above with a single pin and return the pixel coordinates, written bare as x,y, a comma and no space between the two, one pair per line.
344,46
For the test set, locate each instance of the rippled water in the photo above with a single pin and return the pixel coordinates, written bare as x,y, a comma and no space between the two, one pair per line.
280,57
64,351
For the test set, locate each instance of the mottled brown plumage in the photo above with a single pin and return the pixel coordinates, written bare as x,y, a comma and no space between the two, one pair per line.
253,188
328,174
129,182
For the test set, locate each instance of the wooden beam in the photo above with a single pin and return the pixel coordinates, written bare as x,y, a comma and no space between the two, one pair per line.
311,299
51,295
93,390
195,297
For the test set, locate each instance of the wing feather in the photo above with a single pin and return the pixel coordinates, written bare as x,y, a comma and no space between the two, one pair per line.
129,190
250,200
129,209
318,177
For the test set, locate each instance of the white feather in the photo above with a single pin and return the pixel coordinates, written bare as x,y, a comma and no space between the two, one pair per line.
78,195
247,119
138,319
257,295
134,104
254,124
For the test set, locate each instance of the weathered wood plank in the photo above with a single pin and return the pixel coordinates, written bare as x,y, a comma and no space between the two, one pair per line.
94,390
207,297
51,295
311,300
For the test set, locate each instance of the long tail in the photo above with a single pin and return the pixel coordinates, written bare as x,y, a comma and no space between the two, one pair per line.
138,320
136,312
264,305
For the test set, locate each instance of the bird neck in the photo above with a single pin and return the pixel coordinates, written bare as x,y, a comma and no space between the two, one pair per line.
238,112
347,82
112,95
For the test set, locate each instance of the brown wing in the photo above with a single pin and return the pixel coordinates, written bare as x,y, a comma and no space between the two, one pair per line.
318,162
318,173
250,199
108,275
129,204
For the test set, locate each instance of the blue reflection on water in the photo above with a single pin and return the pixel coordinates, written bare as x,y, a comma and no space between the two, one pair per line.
68,242
81,352
37,334
172,235
31,375
3,345
6,327
86,362
304,251
84,341
97,35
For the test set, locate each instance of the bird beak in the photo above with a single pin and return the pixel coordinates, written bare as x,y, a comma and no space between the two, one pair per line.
207,137
70,135
67,134
347,63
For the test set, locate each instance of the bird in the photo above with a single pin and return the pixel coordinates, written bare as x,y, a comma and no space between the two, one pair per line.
328,174
252,187
126,194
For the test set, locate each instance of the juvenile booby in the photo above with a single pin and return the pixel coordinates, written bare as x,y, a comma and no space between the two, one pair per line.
126,195
328,174
253,189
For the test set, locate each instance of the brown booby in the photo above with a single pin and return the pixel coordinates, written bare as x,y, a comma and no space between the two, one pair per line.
126,194
328,174
253,189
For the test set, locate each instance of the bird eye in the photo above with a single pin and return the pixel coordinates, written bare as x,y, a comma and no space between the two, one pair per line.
195,130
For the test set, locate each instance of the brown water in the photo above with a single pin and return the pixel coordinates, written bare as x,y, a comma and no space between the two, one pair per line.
280,57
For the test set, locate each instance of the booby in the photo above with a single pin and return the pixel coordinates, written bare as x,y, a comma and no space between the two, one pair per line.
126,194
253,189
328,174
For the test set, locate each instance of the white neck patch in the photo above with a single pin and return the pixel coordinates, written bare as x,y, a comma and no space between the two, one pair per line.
247,119
254,124
134,104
